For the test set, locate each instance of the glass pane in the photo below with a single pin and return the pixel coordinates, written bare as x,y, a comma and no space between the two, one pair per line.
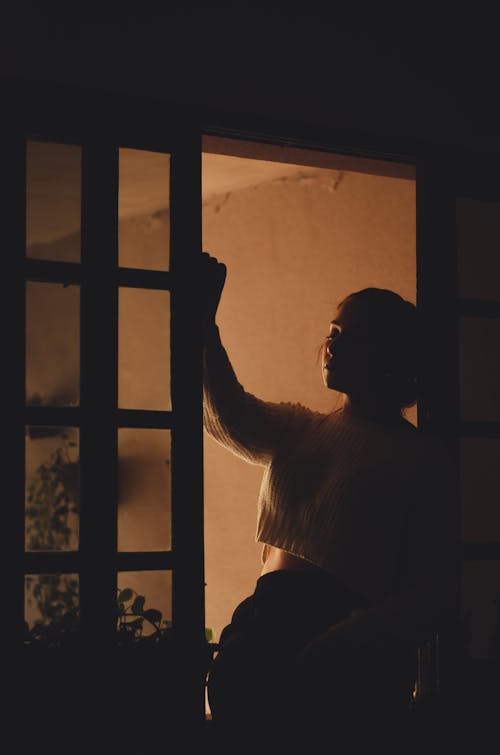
51,608
481,607
144,497
144,606
144,349
479,368
53,201
144,209
478,248
52,344
479,486
52,502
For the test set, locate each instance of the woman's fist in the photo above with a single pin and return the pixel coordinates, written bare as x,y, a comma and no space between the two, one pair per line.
213,277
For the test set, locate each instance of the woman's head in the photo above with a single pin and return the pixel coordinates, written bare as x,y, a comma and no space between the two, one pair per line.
370,352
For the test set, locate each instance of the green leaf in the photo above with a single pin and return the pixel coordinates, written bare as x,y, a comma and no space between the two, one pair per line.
153,615
138,604
125,595
208,634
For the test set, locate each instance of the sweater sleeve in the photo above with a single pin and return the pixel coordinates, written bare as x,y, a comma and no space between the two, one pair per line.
249,427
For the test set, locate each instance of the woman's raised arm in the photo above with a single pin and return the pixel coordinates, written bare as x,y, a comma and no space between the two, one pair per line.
246,425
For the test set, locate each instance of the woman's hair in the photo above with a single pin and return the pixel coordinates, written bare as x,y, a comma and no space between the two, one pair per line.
394,321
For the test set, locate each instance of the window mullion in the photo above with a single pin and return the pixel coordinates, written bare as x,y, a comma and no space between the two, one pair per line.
99,318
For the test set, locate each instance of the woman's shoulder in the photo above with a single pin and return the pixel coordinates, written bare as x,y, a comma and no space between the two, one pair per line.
403,438
302,412
294,420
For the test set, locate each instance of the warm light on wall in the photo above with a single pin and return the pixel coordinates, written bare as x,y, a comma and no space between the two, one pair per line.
295,242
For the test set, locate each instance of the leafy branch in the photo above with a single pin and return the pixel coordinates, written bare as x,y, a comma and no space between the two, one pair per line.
132,617
53,502
53,506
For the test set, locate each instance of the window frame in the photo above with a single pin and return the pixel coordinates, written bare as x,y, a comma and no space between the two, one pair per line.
101,122
101,126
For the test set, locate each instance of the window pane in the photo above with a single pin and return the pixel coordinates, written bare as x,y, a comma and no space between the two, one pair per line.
53,201
479,369
52,344
52,503
144,606
481,607
144,499
479,486
144,209
478,248
51,608
144,349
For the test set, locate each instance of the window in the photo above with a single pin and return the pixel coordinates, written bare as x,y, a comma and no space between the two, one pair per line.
107,562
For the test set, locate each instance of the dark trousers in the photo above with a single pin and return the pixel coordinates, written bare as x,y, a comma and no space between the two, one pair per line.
257,680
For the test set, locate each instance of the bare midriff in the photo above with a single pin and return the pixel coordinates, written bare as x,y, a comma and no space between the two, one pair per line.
276,558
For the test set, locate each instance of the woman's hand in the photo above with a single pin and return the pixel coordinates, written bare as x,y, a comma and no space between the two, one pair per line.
213,278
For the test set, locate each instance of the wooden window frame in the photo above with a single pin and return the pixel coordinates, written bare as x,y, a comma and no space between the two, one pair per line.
101,125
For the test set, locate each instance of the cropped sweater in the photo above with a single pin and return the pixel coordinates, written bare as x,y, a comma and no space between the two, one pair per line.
367,502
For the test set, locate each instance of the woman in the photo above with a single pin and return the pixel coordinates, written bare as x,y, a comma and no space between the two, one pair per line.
356,523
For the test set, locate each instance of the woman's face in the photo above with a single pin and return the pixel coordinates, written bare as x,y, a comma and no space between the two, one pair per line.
353,355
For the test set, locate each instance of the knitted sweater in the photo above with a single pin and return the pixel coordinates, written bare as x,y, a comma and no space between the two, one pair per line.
367,502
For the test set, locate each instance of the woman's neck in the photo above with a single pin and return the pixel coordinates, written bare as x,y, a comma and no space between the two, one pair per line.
375,411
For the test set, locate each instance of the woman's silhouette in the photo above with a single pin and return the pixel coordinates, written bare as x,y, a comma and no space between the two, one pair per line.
355,518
